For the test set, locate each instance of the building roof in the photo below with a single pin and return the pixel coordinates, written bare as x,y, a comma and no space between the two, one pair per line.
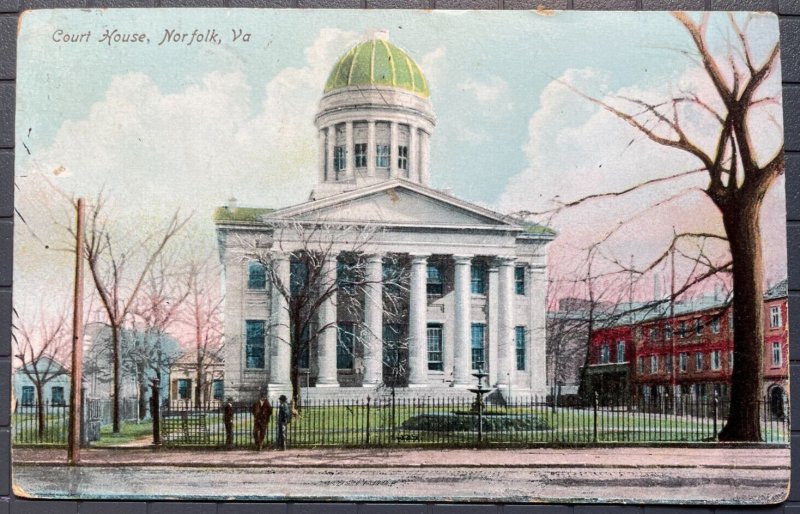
240,214
779,290
377,62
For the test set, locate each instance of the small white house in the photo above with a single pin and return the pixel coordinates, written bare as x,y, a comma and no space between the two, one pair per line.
56,389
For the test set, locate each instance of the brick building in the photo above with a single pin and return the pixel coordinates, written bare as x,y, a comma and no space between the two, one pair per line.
687,346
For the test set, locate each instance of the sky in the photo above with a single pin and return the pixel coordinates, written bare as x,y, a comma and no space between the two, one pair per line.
165,126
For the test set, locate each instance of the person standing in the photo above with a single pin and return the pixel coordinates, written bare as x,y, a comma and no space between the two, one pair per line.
227,418
261,411
284,416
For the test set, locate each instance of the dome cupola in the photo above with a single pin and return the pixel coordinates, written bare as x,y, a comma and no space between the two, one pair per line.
375,119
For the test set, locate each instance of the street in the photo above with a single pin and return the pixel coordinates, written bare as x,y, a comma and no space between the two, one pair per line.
652,475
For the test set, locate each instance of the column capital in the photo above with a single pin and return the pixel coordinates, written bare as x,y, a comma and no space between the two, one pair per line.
505,260
374,258
419,258
463,258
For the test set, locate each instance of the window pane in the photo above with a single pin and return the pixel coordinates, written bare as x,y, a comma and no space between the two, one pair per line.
28,395
520,339
339,158
57,395
478,275
478,345
519,279
382,156
254,347
402,157
256,276
361,155
184,388
435,284
218,389
435,348
344,346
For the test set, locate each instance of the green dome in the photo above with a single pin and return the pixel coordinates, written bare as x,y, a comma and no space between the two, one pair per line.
377,62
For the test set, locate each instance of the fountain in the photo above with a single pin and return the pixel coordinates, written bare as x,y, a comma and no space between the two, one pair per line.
479,391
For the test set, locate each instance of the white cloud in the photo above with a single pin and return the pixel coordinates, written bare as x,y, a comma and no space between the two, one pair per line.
492,93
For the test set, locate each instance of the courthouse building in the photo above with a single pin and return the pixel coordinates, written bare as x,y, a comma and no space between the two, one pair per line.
476,278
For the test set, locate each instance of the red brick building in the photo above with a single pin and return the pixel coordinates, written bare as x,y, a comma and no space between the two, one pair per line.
686,347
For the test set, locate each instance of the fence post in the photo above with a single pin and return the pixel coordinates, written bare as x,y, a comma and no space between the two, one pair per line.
366,442
596,403
716,402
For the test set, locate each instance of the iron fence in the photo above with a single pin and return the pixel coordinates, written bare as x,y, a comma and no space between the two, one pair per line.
452,422
48,425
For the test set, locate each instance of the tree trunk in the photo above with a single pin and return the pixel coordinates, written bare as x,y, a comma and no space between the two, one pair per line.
742,226
198,401
40,406
116,356
141,381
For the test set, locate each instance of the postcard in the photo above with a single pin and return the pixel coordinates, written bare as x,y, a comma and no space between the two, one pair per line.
400,256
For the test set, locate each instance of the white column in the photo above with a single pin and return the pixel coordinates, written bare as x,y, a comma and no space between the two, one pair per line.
326,345
330,173
491,317
536,288
349,151
371,149
393,154
505,322
418,322
413,142
280,356
322,150
424,158
462,351
373,322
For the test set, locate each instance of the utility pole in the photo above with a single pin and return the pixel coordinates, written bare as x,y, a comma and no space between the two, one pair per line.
74,440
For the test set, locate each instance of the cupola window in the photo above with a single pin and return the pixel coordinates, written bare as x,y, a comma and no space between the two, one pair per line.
339,159
382,156
402,158
361,155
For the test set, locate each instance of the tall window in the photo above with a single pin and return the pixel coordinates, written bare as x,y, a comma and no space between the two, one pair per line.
730,359
478,345
668,331
254,343
402,157
339,158
653,364
730,321
519,279
640,364
777,357
519,333
435,286
345,343
298,277
435,348
382,156
478,275
698,361
604,354
682,329
775,320
698,326
256,275
28,395
361,155
218,389
620,351
668,363
392,337
683,362
653,334
715,325
184,389
57,395
716,360
346,279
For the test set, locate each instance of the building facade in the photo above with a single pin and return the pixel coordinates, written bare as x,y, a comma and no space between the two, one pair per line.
183,384
688,349
474,288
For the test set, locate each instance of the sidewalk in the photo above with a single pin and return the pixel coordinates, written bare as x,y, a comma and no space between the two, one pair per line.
606,457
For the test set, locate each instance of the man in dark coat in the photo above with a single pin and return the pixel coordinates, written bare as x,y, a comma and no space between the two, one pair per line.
228,420
261,411
284,416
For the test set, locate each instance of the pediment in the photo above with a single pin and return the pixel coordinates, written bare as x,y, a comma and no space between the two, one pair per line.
396,205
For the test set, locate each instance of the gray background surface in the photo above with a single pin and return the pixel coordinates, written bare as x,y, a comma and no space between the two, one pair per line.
789,11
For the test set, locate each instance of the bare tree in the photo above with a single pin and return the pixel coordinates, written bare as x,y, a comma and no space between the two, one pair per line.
203,316
739,176
119,266
327,262
43,346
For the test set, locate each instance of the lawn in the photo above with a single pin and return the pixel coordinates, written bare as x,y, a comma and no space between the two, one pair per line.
129,431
